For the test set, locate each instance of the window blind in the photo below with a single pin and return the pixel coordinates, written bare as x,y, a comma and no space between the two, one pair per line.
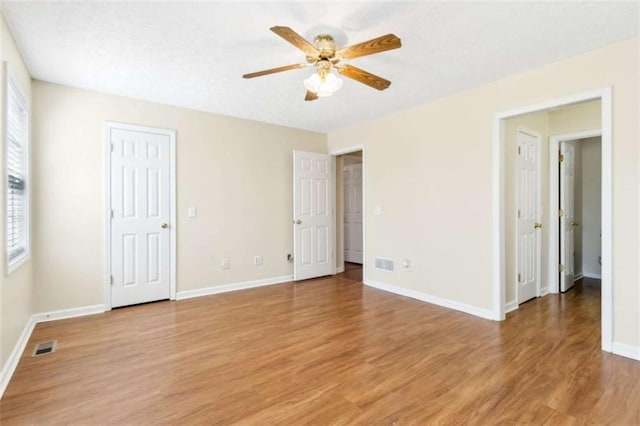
17,202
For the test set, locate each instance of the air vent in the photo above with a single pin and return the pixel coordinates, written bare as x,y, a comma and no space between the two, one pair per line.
383,264
45,348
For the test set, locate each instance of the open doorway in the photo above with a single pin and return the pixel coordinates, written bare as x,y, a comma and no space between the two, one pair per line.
350,215
527,144
579,195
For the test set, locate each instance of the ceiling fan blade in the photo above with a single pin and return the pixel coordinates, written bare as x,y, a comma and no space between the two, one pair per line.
377,45
296,39
310,96
274,70
364,77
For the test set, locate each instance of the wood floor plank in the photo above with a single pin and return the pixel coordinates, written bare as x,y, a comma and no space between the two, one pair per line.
326,351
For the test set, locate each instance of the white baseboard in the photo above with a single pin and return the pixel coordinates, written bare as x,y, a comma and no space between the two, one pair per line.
577,277
68,313
510,306
339,269
14,358
188,294
479,312
544,291
628,351
593,276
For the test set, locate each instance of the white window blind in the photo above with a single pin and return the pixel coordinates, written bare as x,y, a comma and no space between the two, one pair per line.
17,175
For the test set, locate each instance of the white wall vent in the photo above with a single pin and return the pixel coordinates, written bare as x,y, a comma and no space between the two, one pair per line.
383,264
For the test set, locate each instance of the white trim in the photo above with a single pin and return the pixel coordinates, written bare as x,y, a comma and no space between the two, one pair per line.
554,183
107,213
14,358
225,288
340,269
498,231
435,300
577,277
68,313
343,151
544,291
592,276
511,306
625,350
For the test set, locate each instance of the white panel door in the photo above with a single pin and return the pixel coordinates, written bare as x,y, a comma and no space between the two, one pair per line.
141,209
567,220
528,216
352,178
312,215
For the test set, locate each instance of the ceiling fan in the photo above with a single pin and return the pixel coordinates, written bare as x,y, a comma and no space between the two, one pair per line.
324,55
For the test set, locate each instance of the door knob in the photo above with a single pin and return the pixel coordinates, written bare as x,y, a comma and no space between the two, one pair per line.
298,222
537,225
164,226
574,223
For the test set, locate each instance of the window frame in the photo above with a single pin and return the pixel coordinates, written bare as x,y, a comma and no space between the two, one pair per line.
11,85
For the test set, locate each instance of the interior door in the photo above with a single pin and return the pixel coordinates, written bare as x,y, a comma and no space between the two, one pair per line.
567,215
141,208
352,178
312,215
528,216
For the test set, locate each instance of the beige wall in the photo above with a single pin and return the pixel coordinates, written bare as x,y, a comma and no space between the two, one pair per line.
430,169
16,293
237,173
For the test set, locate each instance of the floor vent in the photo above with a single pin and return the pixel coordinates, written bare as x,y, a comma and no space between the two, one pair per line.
45,348
383,264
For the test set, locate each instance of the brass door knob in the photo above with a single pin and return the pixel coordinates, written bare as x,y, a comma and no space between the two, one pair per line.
164,225
574,223
537,225
298,222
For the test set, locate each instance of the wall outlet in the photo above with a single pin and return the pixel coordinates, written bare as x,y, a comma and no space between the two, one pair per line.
224,263
406,265
192,212
290,258
257,260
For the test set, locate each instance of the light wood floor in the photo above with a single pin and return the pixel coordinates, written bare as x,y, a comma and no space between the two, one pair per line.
326,351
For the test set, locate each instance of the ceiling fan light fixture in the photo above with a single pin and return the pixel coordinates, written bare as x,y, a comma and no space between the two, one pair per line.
323,86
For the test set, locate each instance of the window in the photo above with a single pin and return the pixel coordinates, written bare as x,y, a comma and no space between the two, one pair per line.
17,154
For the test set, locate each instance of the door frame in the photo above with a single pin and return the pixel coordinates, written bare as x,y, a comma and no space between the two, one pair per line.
107,203
335,153
498,196
554,182
538,137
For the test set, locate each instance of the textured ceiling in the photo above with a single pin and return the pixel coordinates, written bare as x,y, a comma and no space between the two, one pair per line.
192,54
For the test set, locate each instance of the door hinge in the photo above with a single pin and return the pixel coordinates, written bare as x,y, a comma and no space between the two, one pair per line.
519,150
112,146
560,158
111,213
111,279
519,214
519,277
561,268
560,213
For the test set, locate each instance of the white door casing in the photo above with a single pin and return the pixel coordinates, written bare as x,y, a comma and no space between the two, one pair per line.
352,178
567,218
141,211
528,226
313,220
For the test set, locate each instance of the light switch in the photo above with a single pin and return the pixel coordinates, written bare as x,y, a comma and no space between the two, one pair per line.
193,212
377,211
